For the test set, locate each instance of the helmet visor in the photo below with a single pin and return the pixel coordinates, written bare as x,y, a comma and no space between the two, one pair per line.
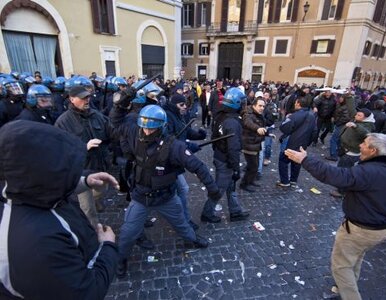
15,88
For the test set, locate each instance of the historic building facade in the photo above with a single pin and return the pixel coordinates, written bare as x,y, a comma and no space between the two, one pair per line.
330,42
110,37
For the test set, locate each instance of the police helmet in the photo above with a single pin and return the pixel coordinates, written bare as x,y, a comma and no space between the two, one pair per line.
108,85
234,98
38,92
47,81
152,116
69,83
12,87
58,84
119,81
15,74
83,81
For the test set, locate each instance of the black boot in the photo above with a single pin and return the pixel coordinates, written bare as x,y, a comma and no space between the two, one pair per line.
145,243
122,269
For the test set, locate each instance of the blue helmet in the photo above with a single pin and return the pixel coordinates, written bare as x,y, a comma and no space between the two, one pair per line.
15,74
26,78
38,92
58,84
47,81
152,116
234,98
84,81
108,85
150,90
119,81
12,86
69,83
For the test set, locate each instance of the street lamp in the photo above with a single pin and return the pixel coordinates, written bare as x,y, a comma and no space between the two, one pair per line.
306,7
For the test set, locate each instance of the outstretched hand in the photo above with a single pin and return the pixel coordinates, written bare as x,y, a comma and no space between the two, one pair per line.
98,180
296,156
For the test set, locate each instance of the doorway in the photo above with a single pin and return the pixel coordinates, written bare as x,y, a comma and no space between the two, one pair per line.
230,60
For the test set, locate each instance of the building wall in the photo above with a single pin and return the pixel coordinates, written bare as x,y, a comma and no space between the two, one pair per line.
350,32
132,18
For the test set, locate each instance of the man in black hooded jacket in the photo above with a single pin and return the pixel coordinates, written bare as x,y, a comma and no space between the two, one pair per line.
48,250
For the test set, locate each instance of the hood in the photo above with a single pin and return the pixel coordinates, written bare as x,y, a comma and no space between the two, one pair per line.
370,119
40,163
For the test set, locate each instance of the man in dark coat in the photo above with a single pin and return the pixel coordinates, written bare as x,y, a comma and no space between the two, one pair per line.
364,207
95,130
298,131
253,135
48,249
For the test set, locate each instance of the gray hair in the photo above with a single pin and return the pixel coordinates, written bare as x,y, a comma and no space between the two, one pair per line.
377,141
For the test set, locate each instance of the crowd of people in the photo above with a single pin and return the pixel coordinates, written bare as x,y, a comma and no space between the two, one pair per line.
145,128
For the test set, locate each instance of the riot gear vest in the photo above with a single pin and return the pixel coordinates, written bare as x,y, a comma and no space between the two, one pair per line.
154,171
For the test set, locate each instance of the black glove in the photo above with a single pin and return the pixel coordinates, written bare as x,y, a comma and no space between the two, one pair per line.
125,97
236,175
215,196
193,147
202,134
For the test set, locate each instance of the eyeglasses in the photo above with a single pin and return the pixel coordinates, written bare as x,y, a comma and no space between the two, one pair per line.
182,104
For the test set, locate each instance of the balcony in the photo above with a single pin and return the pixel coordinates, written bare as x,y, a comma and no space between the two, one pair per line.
231,29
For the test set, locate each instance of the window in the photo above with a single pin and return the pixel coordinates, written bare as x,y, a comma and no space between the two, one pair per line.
103,16
187,15
367,48
203,49
380,10
322,46
375,51
383,50
203,14
187,49
332,9
260,47
281,46
257,73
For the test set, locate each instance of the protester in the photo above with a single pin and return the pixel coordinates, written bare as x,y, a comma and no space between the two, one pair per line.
364,225
49,250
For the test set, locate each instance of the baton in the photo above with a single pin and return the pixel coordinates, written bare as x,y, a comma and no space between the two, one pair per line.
185,127
216,139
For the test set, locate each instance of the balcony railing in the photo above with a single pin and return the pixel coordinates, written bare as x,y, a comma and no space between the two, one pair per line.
231,28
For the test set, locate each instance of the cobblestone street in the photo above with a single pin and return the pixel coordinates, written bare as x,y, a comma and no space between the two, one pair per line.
288,260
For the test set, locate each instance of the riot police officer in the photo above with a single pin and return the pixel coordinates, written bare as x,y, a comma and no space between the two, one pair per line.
157,157
227,156
13,101
38,105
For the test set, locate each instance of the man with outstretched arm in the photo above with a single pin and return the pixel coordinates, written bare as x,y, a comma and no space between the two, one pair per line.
364,207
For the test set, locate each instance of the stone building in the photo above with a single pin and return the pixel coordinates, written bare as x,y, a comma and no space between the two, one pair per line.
330,42
109,37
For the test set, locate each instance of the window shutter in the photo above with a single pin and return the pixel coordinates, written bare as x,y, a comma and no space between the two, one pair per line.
326,9
277,11
330,47
271,11
295,10
314,46
182,49
378,11
95,12
260,12
110,16
339,10
242,15
191,15
208,13
224,15
190,49
198,14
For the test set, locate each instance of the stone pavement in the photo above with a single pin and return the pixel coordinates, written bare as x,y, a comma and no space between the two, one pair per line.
290,259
